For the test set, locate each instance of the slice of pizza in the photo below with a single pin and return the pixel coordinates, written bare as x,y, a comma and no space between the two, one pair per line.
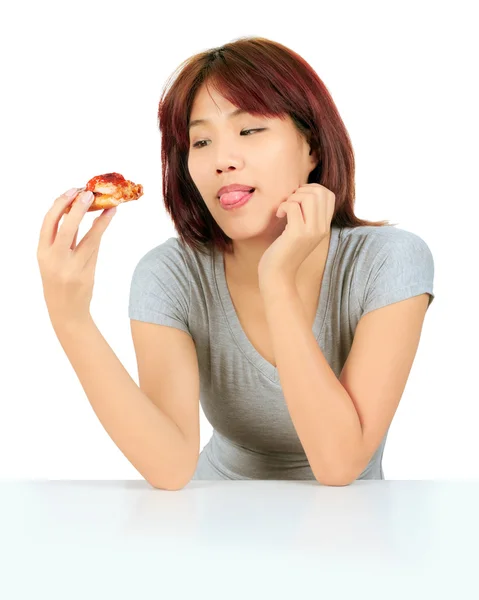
111,189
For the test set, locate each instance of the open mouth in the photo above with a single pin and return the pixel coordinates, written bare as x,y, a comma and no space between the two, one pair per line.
249,192
236,199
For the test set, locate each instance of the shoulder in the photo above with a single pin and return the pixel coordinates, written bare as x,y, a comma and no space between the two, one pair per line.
168,257
372,239
160,286
389,264
163,270
170,249
370,246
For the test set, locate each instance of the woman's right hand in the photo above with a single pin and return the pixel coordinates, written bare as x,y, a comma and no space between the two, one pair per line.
68,270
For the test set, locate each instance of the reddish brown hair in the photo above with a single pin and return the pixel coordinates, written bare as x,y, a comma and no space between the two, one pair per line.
264,78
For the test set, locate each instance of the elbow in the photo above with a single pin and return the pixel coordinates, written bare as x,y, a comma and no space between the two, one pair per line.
335,480
336,483
170,487
175,477
166,488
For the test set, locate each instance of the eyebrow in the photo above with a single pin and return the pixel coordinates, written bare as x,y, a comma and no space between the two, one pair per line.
235,113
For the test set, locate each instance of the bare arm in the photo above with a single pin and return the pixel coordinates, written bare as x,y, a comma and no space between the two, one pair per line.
148,438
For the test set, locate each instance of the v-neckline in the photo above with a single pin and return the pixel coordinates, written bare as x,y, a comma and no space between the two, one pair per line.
233,321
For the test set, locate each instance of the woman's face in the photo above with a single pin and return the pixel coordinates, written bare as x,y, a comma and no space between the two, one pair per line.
274,160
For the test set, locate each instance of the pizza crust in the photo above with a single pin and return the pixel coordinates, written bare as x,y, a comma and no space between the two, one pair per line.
110,190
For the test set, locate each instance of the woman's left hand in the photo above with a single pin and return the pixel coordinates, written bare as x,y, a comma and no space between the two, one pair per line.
309,211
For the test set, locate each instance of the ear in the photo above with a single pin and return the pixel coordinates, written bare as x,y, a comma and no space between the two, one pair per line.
314,159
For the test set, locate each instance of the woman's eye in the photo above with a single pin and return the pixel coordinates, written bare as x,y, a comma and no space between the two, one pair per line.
196,145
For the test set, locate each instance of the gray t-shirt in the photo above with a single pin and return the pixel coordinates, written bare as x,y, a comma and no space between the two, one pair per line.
240,392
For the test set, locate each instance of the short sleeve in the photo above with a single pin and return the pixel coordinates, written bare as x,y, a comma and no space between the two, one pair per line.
160,287
403,268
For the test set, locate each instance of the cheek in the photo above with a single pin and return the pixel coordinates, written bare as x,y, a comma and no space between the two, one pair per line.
194,172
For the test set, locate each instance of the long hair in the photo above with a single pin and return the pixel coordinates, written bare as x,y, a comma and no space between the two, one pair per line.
265,78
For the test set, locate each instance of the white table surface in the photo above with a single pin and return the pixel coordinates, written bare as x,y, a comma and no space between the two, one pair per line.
239,539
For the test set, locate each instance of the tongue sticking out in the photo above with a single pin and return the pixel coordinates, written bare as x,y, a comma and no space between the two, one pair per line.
232,197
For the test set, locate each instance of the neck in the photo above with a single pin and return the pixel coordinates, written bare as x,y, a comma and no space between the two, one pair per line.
242,265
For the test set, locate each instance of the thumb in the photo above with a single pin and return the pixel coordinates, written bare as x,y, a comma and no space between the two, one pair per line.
110,212
95,234
105,217
102,221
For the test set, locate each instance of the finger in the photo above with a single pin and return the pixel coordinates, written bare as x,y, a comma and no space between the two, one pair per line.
49,227
283,206
281,210
294,214
74,243
313,211
71,222
90,244
104,219
310,205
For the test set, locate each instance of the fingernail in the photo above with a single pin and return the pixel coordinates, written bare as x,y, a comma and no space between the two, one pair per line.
71,193
87,197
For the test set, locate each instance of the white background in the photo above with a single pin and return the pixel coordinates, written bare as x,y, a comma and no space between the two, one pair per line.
80,89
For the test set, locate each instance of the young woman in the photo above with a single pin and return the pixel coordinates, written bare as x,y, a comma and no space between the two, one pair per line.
292,321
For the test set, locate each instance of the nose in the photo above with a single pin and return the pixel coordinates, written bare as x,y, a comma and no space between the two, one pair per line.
231,168
226,156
